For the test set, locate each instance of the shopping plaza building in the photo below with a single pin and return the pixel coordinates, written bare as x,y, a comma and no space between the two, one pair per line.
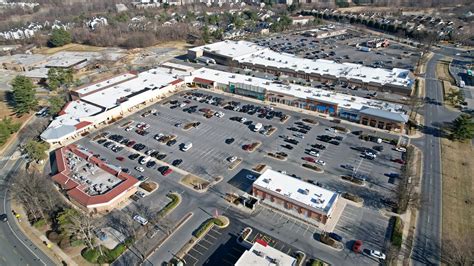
294,196
248,55
106,101
374,113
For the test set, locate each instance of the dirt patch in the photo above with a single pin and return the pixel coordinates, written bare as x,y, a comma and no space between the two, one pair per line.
442,70
458,188
69,47
195,182
259,168
233,165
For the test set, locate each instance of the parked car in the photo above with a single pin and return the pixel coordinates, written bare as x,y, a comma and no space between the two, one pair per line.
357,246
309,159
398,160
377,254
177,162
140,219
3,217
120,159
139,169
321,162
232,159
335,236
400,149
229,141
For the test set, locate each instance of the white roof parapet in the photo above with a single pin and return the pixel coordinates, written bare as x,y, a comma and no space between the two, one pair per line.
251,53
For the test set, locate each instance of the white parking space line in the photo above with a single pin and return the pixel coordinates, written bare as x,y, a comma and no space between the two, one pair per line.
193,249
209,235
196,260
215,231
199,244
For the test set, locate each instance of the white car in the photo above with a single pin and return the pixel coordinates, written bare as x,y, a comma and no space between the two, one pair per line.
140,219
313,153
243,120
232,159
182,105
298,135
321,162
130,128
377,254
401,149
139,169
251,177
158,136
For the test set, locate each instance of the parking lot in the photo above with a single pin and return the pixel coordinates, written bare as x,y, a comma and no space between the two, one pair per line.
211,151
342,48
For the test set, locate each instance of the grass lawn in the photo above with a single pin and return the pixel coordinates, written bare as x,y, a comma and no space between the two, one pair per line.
458,189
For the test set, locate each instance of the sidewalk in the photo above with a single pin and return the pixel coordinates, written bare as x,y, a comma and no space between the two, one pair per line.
37,237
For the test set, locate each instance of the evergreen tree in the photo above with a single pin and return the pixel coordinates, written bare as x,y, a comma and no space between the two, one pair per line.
462,128
59,37
23,95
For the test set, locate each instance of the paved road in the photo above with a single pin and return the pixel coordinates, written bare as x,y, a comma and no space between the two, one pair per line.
428,230
15,247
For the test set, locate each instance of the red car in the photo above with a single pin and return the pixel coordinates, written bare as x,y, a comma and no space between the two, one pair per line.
357,246
246,147
131,143
120,158
309,159
167,172
400,161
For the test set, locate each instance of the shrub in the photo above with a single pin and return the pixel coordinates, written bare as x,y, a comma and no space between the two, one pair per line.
40,223
65,243
76,243
170,206
53,236
397,233
91,255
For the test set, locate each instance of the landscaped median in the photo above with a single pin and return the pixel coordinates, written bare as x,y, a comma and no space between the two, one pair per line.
353,197
325,239
313,167
201,231
397,233
175,201
104,255
220,221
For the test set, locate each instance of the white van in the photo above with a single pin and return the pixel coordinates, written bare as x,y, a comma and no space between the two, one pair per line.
187,146
257,127
145,160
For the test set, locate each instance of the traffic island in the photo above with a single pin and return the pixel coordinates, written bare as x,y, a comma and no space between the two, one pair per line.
330,242
353,180
354,198
300,257
191,125
276,156
313,167
234,164
271,131
284,119
310,121
196,183
252,147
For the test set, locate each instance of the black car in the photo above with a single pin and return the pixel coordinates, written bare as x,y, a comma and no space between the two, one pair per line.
335,236
3,217
334,142
126,170
302,131
171,142
378,148
292,141
293,129
287,146
133,156
150,164
177,162
282,154
101,141
339,138
229,141
161,156
139,147
162,169
319,146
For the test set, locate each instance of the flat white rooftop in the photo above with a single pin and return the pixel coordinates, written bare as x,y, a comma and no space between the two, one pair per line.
105,83
156,77
251,53
261,254
297,190
348,102
231,48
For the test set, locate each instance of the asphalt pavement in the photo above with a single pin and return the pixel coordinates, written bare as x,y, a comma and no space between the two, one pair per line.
427,245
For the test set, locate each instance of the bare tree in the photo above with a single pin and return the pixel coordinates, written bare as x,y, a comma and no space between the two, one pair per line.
75,223
458,252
